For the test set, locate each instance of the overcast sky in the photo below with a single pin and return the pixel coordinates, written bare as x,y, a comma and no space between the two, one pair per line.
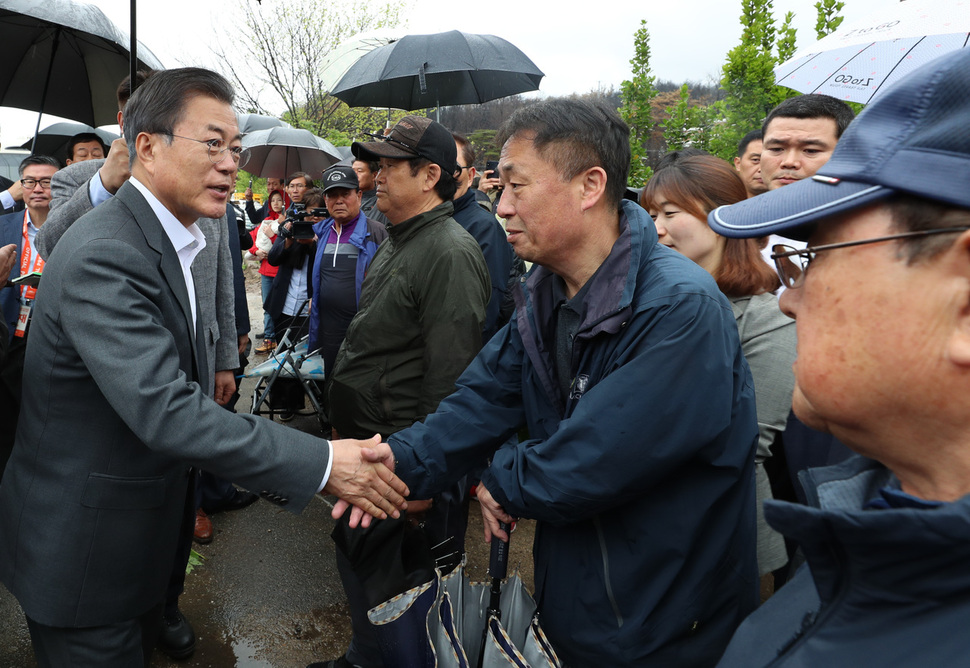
580,48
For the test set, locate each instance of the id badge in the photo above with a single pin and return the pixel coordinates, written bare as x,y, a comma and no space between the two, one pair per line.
22,319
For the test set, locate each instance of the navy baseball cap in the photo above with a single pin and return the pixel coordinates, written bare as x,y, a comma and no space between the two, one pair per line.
914,139
413,137
340,176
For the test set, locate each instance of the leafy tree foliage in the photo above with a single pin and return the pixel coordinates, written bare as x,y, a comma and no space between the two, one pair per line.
828,17
638,94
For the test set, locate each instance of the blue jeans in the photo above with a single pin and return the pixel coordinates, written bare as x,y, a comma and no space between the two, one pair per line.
269,331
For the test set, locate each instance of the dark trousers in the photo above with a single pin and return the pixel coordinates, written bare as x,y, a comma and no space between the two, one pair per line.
122,645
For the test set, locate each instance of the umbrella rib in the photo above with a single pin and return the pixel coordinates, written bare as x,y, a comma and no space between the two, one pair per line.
857,54
898,61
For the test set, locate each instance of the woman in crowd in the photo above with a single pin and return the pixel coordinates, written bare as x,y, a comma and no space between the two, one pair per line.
263,237
679,197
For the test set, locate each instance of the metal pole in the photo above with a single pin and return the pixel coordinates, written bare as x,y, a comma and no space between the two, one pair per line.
133,49
47,83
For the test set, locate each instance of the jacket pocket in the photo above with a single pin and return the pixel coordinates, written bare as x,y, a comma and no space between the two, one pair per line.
110,492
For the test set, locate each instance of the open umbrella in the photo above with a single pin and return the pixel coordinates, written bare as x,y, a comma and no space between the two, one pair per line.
63,58
449,68
864,57
348,52
53,139
281,151
253,122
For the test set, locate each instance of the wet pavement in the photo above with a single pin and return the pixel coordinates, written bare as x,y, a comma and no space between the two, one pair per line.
267,594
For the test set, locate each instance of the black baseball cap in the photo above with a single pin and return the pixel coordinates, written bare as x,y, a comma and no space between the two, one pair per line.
913,139
413,137
339,176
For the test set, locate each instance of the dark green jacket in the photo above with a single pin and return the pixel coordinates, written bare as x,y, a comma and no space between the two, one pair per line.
419,325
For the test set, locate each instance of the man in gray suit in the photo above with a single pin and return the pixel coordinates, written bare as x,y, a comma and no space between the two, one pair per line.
114,413
77,189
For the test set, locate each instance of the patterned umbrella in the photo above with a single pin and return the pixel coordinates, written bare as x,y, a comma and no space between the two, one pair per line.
863,58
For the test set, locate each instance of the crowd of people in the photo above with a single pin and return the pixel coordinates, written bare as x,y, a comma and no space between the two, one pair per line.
687,424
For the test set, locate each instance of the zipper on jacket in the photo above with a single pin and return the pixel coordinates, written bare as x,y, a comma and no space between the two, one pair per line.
606,572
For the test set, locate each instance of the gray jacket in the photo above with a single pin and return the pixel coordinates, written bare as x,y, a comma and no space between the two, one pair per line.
211,271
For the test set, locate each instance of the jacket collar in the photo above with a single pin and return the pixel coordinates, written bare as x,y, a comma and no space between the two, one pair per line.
357,237
914,553
407,229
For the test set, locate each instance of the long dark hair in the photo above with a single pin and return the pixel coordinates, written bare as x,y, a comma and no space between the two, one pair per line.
698,185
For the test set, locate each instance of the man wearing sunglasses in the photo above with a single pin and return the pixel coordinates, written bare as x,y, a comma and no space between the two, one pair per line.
881,298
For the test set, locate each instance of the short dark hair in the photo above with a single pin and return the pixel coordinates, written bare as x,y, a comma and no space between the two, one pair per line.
446,186
37,159
673,157
83,138
915,214
124,88
698,185
158,105
575,135
814,105
312,198
754,135
467,150
373,165
297,175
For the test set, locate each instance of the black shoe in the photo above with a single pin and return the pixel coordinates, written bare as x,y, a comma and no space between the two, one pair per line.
177,638
342,662
236,501
285,416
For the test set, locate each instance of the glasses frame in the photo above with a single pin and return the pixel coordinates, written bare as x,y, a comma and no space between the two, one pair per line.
23,183
810,252
240,155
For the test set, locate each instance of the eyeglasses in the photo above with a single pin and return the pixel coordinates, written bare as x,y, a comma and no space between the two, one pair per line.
298,186
792,263
218,148
30,184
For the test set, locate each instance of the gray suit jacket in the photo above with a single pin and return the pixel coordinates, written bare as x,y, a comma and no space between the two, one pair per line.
92,499
211,271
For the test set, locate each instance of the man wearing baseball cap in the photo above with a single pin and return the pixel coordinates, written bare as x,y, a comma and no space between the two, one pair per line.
881,298
419,325
346,244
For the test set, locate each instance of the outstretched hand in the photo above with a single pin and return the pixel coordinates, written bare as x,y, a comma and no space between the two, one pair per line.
378,453
362,476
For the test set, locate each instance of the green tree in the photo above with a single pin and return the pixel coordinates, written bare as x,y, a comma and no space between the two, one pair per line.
637,111
687,125
828,17
483,141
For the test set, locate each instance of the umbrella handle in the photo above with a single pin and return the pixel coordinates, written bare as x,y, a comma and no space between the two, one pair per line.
498,568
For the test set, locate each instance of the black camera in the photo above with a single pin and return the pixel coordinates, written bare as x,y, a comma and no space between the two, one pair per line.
301,229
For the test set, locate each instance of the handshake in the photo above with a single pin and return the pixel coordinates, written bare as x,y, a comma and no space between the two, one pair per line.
362,476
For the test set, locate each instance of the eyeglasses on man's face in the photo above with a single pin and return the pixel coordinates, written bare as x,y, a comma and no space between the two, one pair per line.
217,149
30,184
792,263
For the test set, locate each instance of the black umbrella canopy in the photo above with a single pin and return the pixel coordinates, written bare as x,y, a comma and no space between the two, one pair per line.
64,58
443,69
53,139
253,122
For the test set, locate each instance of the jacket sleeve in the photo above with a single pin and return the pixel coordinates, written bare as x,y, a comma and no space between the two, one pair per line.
768,342
451,312
69,201
677,395
113,290
227,347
